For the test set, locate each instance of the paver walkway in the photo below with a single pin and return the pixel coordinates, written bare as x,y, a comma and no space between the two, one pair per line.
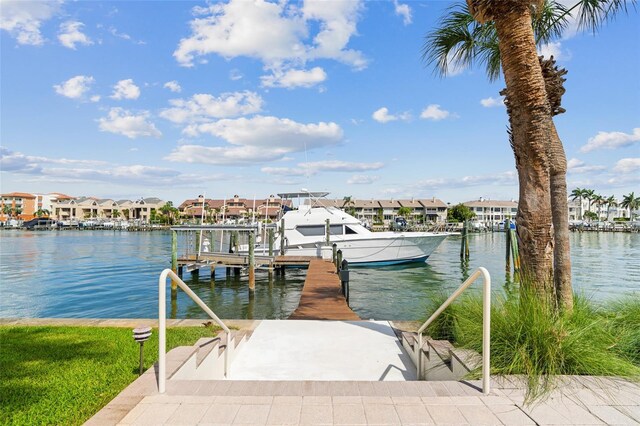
582,401
322,350
321,297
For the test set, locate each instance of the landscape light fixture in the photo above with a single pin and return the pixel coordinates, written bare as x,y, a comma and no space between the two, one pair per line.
141,335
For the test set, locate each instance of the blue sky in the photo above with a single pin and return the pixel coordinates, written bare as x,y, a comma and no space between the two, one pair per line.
173,99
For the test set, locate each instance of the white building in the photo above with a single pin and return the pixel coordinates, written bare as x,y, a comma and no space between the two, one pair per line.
492,212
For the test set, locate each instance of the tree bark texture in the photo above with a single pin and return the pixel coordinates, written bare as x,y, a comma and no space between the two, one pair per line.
554,83
527,98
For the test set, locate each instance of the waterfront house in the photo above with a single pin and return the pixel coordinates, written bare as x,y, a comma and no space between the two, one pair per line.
492,212
19,205
434,209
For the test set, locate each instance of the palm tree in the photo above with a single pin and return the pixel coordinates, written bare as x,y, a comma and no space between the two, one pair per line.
17,211
504,34
115,214
598,201
610,202
6,209
125,213
589,194
578,194
631,202
349,205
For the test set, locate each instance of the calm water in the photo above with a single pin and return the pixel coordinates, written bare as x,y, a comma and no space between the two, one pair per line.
103,274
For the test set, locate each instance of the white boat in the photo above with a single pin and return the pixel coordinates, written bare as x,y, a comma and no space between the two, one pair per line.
305,235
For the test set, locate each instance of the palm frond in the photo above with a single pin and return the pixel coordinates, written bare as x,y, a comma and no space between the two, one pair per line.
459,41
550,21
593,13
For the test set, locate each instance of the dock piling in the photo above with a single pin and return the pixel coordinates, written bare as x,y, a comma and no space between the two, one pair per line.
281,237
252,272
338,261
328,232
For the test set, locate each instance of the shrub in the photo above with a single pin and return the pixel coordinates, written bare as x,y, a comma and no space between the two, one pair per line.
529,338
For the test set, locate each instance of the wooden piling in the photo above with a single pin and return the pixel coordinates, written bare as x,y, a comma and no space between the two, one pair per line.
174,263
335,254
507,226
464,244
327,232
338,260
252,262
281,237
271,238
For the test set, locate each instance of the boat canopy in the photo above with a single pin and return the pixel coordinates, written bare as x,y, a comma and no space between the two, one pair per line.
288,195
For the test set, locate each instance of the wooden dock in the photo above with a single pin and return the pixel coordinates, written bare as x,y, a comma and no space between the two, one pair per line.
321,297
192,262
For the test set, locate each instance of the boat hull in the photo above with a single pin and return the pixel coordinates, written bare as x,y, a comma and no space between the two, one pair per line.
388,250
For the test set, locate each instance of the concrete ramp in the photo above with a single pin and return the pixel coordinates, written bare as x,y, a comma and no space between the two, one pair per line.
323,350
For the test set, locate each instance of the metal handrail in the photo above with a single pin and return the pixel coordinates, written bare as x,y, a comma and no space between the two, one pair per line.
162,324
486,324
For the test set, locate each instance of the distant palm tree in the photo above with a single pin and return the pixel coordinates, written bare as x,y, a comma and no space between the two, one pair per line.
404,211
589,194
631,202
348,205
115,214
6,209
578,194
125,213
598,201
17,211
610,202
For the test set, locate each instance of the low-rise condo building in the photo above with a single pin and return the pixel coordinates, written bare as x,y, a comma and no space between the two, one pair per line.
492,212
17,205
234,208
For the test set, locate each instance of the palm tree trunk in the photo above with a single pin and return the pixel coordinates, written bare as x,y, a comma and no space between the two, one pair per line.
560,218
554,84
527,97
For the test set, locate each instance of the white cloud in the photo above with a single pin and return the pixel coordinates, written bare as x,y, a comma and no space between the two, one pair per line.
276,33
75,171
627,165
114,32
554,49
235,74
504,178
576,166
434,112
315,167
70,34
173,86
382,116
125,89
203,107
95,98
256,139
362,179
75,87
492,102
403,10
294,78
123,122
22,19
12,161
611,140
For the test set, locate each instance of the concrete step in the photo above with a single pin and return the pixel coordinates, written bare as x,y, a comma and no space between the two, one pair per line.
440,359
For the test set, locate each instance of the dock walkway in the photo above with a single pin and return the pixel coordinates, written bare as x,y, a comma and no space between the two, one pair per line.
321,298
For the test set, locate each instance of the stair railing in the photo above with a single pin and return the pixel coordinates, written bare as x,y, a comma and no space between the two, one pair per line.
486,325
162,324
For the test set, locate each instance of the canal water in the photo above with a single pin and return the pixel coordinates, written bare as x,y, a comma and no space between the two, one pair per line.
113,274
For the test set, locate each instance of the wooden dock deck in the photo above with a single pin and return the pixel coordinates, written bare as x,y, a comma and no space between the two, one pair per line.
321,298
192,262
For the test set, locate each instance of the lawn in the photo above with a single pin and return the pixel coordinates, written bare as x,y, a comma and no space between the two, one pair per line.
64,375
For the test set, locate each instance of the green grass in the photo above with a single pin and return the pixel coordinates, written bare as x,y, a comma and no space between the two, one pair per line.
528,338
64,375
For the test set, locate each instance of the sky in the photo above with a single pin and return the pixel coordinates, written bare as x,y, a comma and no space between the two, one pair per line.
176,99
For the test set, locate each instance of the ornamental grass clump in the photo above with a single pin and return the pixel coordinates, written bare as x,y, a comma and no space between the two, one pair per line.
624,319
530,338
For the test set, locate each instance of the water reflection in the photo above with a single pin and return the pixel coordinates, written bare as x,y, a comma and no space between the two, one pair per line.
100,274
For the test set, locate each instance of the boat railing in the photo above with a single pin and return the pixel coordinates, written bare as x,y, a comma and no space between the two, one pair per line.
162,324
486,324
